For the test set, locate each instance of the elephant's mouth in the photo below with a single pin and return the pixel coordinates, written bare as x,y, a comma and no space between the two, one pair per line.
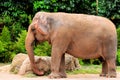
37,42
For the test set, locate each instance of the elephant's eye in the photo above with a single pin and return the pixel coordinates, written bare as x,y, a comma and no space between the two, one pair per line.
33,29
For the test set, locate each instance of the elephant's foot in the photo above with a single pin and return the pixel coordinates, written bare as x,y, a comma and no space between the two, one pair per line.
57,75
102,75
111,75
63,74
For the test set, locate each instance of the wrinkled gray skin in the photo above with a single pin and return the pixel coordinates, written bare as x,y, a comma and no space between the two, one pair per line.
83,36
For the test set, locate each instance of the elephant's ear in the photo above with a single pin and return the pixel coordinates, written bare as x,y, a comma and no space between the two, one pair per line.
43,24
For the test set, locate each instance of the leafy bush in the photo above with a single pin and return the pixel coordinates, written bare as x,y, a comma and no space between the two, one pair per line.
118,57
20,43
118,37
76,6
2,49
43,49
5,42
5,35
16,15
14,27
15,30
118,46
9,49
110,9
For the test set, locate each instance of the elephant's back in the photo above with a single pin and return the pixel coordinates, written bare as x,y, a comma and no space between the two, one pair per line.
82,23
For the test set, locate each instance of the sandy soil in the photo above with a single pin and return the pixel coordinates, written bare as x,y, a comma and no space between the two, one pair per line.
9,76
5,75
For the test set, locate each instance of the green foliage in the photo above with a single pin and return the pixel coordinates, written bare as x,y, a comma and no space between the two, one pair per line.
5,42
87,69
118,46
5,35
16,15
43,49
41,5
118,57
2,49
9,49
15,30
76,6
118,37
20,43
80,61
110,9
6,19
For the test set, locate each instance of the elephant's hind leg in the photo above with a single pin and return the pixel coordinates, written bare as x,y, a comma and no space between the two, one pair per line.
109,52
111,68
104,69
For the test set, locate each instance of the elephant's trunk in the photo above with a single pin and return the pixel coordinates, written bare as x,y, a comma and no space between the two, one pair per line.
29,47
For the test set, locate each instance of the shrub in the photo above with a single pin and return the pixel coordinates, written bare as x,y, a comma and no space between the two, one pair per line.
20,43
5,35
118,46
118,57
9,49
118,37
5,42
1,47
44,49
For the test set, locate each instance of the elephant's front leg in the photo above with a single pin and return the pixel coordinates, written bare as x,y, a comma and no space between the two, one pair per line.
58,59
55,63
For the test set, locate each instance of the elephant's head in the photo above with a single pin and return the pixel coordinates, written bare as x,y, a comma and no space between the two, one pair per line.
38,30
41,26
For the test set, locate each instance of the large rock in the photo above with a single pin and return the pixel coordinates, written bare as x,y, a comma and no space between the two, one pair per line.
17,62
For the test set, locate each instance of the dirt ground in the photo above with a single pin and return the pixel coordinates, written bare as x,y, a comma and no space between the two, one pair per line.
9,76
5,75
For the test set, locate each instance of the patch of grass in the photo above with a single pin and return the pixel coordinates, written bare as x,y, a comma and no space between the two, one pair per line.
89,69
30,75
118,68
85,69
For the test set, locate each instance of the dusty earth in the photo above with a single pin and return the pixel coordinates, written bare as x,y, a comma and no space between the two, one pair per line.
5,75
9,76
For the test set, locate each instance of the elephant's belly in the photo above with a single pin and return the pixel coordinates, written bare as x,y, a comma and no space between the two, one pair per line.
88,52
83,55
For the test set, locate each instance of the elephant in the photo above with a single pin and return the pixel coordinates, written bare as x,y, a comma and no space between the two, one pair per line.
80,35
